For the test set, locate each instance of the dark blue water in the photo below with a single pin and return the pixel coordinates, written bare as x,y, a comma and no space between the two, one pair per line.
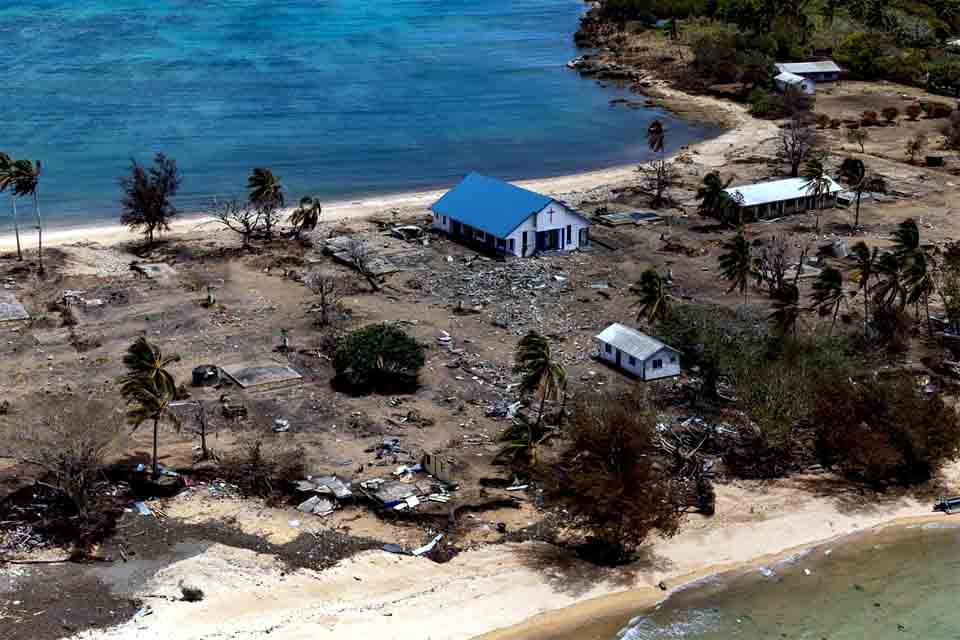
339,97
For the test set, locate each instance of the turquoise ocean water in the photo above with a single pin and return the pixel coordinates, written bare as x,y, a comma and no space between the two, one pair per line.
339,97
900,584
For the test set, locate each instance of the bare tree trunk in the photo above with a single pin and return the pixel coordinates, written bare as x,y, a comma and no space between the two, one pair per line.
156,464
926,306
856,219
36,208
16,227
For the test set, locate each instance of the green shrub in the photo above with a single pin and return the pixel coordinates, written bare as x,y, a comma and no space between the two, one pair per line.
944,77
759,102
379,358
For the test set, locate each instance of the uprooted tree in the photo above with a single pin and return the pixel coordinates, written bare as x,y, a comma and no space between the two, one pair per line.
378,358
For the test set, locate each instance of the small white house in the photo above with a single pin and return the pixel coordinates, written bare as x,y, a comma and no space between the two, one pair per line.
818,71
507,219
791,80
637,353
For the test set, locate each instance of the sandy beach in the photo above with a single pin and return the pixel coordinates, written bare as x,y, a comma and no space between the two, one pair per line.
742,133
519,591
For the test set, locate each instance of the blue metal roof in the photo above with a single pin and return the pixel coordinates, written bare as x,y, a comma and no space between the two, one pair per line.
488,204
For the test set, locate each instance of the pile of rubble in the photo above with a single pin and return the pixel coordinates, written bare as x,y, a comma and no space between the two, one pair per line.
517,295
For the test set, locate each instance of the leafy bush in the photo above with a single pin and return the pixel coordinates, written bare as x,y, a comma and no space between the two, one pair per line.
760,102
379,358
943,77
869,119
913,110
883,431
890,113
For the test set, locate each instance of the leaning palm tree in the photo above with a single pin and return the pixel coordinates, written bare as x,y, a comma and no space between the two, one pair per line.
737,264
827,294
266,193
652,296
866,268
919,282
891,288
306,216
906,239
713,196
786,310
521,441
6,181
26,182
854,172
148,387
540,374
264,188
818,183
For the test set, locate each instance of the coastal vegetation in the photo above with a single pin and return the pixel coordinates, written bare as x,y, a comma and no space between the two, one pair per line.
147,204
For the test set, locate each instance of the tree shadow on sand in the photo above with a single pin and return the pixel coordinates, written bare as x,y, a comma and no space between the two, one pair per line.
567,573
853,498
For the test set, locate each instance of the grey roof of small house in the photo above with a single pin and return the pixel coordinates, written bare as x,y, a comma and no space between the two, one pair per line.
632,342
823,66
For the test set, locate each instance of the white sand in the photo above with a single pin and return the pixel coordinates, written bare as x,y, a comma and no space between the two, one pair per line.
745,135
384,596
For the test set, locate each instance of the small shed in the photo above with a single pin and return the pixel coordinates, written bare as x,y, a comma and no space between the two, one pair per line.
637,353
791,80
818,71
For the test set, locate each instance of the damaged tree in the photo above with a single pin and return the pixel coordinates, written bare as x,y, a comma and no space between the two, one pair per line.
328,296
361,258
609,480
241,218
70,443
796,142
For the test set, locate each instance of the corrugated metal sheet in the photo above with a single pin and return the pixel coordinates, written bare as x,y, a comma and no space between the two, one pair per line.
777,190
630,341
488,204
824,66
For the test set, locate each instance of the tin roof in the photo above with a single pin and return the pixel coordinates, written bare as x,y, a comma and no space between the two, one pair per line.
493,206
630,341
777,191
823,66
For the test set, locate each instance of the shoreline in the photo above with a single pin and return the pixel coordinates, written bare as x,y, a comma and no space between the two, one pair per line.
625,605
736,129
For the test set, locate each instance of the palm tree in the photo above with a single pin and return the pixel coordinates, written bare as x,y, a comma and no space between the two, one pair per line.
906,239
26,182
866,268
919,282
855,173
6,181
817,183
539,373
786,309
264,188
653,298
266,193
148,388
737,264
713,196
891,288
827,294
522,441
306,216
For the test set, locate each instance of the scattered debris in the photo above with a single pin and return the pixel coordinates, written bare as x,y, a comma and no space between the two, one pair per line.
427,548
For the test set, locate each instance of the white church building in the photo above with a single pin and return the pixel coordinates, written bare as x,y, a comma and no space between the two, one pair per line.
507,219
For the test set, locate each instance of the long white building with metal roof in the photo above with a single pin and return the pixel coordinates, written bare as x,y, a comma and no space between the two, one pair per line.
820,71
778,198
